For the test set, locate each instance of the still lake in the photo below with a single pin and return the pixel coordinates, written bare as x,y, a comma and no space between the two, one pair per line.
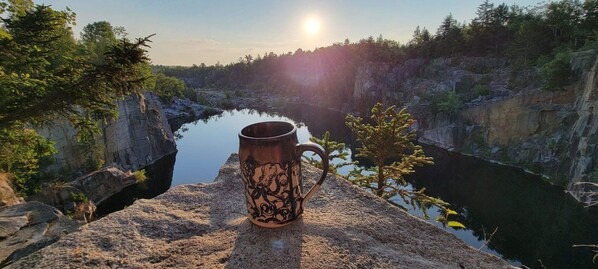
534,223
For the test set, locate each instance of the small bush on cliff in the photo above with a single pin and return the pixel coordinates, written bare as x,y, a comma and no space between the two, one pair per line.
480,90
447,101
78,197
140,176
389,139
557,72
141,179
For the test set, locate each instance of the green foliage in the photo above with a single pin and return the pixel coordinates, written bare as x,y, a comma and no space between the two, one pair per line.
89,144
334,150
24,153
202,99
557,72
18,7
226,104
45,73
95,41
141,179
168,87
78,197
190,94
447,101
444,219
389,139
140,176
42,75
480,90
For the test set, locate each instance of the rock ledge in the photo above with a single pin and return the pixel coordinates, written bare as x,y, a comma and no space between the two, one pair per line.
204,226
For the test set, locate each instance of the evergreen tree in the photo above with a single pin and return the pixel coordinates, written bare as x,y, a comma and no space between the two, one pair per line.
449,37
42,76
389,140
96,39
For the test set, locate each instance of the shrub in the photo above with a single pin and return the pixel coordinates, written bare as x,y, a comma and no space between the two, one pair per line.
557,72
24,153
78,197
141,179
480,90
190,94
447,101
140,176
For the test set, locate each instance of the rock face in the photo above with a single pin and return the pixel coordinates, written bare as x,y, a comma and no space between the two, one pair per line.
27,227
581,141
204,226
552,133
138,137
517,123
141,136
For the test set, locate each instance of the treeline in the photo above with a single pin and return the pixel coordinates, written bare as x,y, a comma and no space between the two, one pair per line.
537,36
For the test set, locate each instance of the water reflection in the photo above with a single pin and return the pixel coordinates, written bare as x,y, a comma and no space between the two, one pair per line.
537,223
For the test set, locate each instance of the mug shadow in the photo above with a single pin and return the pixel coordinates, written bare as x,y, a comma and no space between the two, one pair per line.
257,247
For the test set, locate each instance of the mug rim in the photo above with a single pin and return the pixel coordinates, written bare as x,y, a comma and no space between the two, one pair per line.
293,130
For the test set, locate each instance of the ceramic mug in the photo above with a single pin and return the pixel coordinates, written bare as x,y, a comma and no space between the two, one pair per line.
270,158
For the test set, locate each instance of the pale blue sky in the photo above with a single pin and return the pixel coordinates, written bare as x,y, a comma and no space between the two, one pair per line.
191,32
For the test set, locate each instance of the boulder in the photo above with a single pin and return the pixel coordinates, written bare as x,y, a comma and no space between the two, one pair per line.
101,184
205,226
96,186
27,227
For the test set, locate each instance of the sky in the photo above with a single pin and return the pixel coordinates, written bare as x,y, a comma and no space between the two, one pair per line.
193,32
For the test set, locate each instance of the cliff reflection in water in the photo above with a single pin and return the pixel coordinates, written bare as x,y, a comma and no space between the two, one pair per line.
536,221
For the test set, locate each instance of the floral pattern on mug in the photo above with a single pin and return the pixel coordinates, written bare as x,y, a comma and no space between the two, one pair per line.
269,196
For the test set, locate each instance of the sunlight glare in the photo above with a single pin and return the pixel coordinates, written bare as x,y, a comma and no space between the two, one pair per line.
312,25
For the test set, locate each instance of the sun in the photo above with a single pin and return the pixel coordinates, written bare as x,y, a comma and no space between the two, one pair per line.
312,25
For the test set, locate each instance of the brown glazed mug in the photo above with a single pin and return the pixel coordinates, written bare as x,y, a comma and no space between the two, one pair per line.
270,157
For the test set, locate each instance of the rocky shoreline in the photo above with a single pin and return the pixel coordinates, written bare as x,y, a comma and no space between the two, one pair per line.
182,111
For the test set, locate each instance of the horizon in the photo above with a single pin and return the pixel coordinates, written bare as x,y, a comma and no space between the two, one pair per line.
211,33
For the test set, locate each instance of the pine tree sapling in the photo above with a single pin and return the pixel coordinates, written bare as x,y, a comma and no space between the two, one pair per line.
389,139
334,150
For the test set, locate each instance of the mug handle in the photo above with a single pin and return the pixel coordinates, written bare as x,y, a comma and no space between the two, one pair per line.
310,146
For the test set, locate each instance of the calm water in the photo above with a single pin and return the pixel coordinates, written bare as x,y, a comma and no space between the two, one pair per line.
536,223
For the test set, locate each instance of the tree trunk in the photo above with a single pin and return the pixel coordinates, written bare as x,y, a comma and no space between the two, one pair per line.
380,190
